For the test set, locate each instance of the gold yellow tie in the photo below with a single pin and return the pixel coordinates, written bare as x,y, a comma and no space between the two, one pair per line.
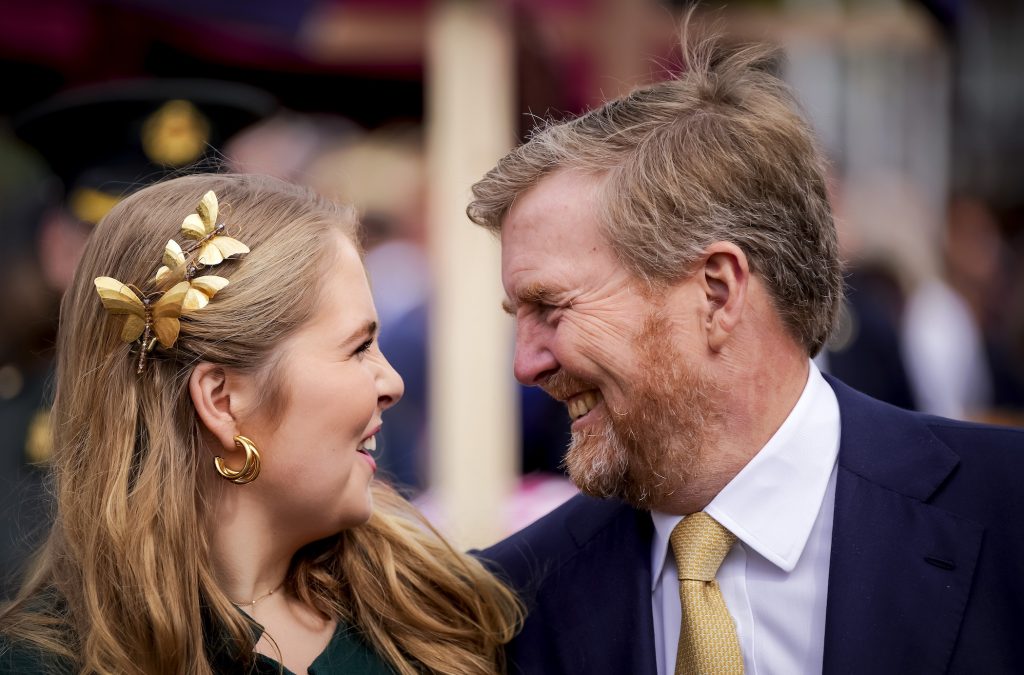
707,635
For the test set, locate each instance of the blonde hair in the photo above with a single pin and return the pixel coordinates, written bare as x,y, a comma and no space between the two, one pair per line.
719,153
124,583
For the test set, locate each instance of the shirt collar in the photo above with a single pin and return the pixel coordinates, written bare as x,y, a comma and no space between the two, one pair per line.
772,503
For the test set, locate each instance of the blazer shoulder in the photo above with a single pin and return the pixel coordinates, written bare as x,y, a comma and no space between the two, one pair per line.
868,415
986,484
976,437
967,468
970,441
558,537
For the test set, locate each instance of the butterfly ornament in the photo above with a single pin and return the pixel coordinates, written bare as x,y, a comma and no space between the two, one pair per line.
148,318
212,244
152,318
201,289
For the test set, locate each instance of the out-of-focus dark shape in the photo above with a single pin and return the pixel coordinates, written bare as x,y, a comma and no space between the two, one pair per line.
107,140
865,351
28,319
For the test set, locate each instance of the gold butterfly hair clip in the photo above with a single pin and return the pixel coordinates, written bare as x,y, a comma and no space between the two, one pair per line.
153,318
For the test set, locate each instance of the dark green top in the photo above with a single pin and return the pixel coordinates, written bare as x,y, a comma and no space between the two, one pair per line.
21,659
346,653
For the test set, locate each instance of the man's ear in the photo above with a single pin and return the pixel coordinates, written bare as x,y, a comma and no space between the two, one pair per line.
215,401
724,278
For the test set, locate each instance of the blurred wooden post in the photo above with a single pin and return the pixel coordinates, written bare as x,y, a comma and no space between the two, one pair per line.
473,414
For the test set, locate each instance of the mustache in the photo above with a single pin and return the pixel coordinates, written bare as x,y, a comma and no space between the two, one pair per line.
562,385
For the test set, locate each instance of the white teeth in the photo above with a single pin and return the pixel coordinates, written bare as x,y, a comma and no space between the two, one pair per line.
370,444
581,404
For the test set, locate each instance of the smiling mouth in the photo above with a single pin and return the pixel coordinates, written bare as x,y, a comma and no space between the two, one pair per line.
582,403
366,448
368,445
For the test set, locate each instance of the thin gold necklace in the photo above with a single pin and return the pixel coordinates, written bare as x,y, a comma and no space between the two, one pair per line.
252,603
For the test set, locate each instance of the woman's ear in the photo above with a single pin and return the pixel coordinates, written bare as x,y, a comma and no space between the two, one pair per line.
212,396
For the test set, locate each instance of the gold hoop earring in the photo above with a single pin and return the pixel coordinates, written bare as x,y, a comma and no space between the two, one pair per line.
249,471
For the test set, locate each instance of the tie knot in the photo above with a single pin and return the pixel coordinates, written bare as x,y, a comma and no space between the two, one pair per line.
700,544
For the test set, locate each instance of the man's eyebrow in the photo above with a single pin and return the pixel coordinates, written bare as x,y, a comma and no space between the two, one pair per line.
534,294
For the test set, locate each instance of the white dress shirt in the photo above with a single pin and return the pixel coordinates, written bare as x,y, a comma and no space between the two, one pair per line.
775,579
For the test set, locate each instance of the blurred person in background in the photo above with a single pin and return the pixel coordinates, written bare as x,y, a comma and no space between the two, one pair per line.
215,421
864,349
381,172
672,265
101,142
960,363
288,143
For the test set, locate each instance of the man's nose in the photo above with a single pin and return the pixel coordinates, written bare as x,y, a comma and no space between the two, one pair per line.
534,362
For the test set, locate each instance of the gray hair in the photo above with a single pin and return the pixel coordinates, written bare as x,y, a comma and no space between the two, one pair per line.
719,153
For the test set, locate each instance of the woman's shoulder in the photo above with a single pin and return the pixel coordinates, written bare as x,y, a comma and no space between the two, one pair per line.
22,647
18,657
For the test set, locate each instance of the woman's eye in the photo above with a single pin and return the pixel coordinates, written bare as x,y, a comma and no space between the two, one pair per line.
365,347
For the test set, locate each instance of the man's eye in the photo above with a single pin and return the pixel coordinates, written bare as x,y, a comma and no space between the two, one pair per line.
549,312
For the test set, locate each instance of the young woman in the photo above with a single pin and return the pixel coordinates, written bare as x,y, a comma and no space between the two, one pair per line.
214,424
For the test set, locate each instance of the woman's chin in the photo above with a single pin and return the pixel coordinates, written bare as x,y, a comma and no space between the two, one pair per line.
355,518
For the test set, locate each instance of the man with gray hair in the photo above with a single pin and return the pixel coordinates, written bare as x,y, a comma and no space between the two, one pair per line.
671,263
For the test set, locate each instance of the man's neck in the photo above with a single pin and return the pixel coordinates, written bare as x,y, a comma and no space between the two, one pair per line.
753,406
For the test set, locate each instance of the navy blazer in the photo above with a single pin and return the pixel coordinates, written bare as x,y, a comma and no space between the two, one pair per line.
927,565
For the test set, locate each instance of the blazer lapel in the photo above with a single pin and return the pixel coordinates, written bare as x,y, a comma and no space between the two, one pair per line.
607,626
901,569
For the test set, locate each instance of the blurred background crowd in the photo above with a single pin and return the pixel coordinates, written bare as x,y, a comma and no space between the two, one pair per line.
373,102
